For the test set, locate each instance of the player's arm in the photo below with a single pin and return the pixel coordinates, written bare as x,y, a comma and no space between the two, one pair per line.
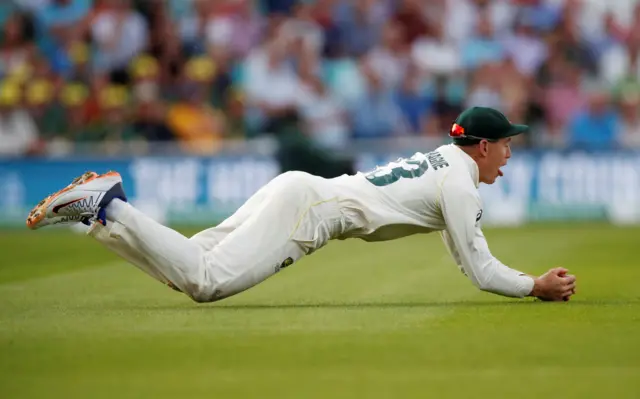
466,243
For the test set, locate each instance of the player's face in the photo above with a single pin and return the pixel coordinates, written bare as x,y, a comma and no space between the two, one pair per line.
496,155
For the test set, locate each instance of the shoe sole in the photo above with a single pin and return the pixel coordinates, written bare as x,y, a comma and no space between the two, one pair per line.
38,213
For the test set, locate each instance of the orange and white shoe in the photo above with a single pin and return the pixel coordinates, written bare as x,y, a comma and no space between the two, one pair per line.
81,201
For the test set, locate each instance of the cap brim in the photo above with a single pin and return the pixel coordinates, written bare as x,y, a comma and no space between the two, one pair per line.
516,130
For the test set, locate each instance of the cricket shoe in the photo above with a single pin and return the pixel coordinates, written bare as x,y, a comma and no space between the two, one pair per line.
83,201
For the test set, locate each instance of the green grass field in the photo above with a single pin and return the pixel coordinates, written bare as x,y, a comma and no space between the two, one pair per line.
354,320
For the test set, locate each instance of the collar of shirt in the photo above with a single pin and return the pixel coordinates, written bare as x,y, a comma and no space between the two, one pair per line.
472,166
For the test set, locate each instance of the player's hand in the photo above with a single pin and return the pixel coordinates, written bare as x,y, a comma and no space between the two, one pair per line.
555,285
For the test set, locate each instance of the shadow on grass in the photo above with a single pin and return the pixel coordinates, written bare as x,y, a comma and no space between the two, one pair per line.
221,305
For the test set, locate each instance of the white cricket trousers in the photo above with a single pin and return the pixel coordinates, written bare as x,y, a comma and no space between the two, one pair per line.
293,215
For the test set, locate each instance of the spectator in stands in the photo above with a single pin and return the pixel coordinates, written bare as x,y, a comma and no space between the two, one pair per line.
435,53
7,9
341,72
302,28
233,27
41,105
389,59
120,33
79,55
463,18
448,97
622,61
73,99
541,15
526,46
411,15
628,84
17,49
342,65
414,103
571,41
60,25
62,20
359,23
165,44
324,116
484,47
279,6
234,110
146,74
485,89
115,124
562,98
376,114
629,136
189,18
271,82
613,35
198,126
634,26
150,111
322,13
295,150
145,70
32,6
595,127
515,93
18,131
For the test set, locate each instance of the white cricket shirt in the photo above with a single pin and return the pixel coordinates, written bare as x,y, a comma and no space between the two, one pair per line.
429,192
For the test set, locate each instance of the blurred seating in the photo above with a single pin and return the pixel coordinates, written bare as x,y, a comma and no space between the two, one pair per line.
201,73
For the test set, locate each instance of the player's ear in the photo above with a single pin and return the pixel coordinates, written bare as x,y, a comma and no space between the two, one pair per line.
484,147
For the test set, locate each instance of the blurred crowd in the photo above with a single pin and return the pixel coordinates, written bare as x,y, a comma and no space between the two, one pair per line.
200,72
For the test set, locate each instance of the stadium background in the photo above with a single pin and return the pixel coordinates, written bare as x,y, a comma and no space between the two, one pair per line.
199,103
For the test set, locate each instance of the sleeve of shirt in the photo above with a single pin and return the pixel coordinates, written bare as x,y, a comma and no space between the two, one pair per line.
465,241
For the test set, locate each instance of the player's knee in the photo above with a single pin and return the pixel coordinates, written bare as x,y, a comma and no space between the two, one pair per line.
222,289
200,297
207,292
201,292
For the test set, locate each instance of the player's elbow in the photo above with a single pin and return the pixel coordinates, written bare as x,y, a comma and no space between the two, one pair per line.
483,283
491,285
502,282
481,276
